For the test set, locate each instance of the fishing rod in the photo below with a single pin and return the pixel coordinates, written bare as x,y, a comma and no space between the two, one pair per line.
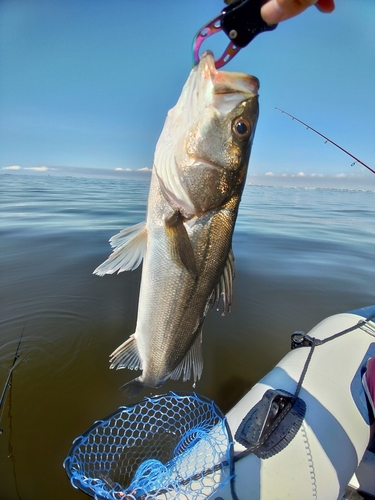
7,383
329,140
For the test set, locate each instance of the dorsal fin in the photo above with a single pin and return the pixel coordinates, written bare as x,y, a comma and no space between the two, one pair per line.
180,244
130,248
192,364
224,289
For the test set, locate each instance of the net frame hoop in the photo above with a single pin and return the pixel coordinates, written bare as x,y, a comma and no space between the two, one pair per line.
89,490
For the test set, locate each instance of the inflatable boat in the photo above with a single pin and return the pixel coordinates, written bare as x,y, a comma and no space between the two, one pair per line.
302,432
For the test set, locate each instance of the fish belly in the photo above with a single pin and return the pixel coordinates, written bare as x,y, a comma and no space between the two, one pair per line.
172,299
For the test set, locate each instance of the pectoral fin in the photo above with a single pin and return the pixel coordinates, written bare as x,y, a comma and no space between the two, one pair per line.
180,244
130,248
224,289
192,362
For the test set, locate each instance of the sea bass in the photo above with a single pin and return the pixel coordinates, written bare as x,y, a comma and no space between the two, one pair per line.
198,175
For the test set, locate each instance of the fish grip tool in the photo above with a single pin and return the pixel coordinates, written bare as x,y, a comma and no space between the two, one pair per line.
241,21
173,445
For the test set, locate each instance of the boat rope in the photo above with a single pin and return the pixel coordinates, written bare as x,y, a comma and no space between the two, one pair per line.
314,342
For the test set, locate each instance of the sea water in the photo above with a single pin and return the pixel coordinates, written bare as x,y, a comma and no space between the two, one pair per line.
301,255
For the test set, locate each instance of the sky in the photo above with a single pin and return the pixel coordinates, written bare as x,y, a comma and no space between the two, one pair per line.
85,86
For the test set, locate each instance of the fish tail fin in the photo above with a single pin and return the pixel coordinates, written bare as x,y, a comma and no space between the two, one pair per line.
126,356
132,388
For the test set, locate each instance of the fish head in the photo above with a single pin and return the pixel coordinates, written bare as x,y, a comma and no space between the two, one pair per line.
202,155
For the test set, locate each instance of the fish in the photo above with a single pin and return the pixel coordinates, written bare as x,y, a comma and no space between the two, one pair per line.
185,244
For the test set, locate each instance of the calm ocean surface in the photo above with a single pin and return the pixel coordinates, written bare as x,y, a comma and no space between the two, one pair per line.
301,255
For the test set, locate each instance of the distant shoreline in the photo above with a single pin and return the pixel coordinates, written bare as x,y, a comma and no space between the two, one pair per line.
351,182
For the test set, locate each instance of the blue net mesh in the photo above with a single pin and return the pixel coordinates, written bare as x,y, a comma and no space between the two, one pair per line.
170,446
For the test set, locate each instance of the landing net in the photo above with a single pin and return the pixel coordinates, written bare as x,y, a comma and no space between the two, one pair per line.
170,446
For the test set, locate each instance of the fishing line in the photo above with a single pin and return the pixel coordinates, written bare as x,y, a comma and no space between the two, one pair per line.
10,446
327,139
8,383
1,413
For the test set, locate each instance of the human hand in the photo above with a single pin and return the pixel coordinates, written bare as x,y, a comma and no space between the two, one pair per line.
274,11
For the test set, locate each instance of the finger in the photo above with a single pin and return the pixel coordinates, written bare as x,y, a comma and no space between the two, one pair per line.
274,11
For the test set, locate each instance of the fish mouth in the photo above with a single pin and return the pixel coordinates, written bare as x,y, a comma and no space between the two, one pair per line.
198,161
226,82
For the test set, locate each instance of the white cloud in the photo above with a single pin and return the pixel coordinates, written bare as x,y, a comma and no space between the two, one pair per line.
341,175
12,167
270,174
284,175
144,169
119,169
38,169
301,174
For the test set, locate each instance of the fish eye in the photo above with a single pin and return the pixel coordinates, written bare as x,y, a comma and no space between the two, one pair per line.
241,128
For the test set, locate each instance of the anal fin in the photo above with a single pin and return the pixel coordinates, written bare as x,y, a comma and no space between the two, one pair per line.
192,364
126,356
